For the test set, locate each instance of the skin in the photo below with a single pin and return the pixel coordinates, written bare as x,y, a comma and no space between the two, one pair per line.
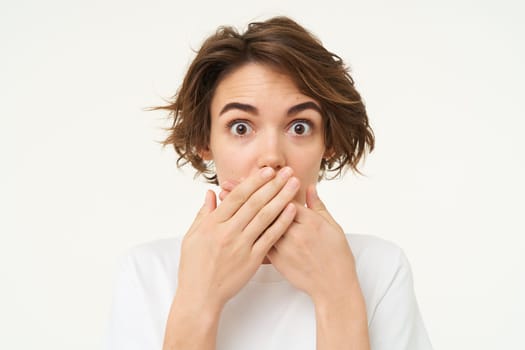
282,127
266,141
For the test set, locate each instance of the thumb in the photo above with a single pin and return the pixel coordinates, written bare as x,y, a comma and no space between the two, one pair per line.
210,203
314,202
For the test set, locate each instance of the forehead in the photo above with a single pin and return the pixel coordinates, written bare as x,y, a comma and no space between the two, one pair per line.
256,83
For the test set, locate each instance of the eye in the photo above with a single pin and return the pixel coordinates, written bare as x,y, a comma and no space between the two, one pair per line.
239,128
301,127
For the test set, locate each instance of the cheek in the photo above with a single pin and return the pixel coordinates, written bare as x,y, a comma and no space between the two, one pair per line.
307,163
308,172
232,163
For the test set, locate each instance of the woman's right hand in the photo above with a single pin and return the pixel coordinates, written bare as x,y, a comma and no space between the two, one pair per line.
226,244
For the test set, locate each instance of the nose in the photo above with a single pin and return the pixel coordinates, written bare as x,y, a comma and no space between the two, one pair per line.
271,152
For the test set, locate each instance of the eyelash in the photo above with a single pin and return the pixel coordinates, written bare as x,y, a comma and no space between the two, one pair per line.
231,124
235,122
304,121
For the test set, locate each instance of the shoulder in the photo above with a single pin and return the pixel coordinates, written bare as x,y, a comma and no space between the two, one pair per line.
385,278
382,268
375,251
143,292
152,261
376,258
157,250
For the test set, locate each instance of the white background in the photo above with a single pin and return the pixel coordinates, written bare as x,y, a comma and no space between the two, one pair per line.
83,179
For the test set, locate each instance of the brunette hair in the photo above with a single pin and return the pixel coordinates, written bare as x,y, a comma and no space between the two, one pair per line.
285,45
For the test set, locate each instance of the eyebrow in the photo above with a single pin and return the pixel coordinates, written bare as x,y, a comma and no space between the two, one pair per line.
253,110
304,106
241,106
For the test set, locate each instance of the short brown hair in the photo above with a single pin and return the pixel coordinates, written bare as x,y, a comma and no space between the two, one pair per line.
285,45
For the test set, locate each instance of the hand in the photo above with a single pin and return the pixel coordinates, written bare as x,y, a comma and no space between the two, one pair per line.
314,254
226,244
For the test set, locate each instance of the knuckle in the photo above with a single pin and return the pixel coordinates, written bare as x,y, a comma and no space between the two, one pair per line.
223,240
292,233
238,197
286,194
265,215
266,236
259,252
252,204
281,223
276,230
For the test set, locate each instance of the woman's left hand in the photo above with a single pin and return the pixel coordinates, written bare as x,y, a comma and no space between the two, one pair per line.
314,254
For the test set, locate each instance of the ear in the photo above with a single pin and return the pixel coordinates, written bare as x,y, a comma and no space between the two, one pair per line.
328,153
206,153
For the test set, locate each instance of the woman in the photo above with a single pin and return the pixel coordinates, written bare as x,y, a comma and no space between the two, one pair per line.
264,115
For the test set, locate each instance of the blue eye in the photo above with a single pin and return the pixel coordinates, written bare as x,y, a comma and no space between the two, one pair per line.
301,127
240,128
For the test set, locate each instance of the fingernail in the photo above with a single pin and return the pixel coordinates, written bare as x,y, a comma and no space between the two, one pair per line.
267,172
285,172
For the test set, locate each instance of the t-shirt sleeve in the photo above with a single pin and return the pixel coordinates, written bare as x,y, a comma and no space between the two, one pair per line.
396,323
130,325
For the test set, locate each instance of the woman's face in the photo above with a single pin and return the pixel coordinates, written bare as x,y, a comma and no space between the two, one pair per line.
259,118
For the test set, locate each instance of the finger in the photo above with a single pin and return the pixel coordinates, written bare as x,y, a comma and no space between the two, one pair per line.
314,202
279,247
223,194
283,242
240,194
226,187
229,185
266,204
210,203
273,255
268,238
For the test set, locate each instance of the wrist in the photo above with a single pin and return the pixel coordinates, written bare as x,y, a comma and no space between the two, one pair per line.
341,301
341,321
189,304
191,325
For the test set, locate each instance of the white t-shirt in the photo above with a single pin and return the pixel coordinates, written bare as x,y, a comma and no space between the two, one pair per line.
268,313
